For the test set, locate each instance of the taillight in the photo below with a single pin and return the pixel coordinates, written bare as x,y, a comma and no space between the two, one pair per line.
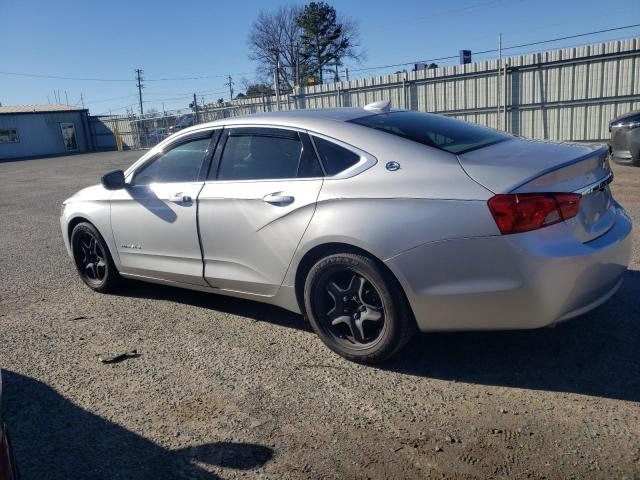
515,213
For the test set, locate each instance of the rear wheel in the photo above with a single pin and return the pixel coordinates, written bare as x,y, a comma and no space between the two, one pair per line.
92,258
356,308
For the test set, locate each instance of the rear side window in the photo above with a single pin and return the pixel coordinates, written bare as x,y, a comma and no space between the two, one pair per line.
180,164
448,134
334,157
263,154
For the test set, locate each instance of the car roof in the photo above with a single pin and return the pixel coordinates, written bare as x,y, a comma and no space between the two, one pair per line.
293,118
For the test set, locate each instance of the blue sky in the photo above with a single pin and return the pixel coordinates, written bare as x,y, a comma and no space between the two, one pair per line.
168,39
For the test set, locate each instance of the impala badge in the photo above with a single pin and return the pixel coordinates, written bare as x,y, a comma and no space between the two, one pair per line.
135,247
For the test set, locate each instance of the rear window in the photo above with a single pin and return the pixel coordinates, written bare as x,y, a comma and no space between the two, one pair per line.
448,134
335,158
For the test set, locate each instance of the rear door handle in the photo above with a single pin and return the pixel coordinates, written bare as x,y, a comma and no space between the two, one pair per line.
180,198
278,199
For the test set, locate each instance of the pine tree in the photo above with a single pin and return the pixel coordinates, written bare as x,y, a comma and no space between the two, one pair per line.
323,41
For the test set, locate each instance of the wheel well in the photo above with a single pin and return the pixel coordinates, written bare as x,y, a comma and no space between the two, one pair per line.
76,221
316,253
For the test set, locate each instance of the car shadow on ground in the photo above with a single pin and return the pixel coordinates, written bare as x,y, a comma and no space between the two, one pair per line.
221,303
56,439
595,354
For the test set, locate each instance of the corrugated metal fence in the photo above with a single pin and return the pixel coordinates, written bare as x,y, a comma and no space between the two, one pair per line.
567,94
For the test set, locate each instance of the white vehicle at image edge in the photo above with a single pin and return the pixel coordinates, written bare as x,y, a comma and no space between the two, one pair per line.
373,222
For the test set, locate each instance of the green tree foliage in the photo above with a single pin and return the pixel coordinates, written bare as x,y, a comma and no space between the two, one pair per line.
258,90
325,41
298,42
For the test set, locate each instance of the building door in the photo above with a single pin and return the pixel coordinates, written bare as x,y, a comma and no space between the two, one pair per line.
69,136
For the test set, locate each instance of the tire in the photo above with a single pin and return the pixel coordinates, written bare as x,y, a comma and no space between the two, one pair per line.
93,259
344,295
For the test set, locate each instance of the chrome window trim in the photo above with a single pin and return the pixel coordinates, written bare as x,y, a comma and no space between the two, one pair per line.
160,148
365,163
291,179
366,159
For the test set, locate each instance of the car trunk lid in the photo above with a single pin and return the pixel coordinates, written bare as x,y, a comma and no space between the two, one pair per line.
526,166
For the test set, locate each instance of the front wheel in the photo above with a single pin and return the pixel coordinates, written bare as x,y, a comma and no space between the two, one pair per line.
356,308
92,258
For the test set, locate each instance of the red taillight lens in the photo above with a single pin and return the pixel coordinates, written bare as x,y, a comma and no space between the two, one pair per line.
569,204
515,213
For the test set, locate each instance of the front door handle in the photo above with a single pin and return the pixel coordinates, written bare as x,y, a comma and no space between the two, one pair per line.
278,199
180,198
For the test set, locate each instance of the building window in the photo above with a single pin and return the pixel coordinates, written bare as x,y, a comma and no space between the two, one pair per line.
69,136
8,135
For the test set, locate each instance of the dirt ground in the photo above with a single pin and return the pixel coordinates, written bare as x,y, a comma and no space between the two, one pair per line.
226,388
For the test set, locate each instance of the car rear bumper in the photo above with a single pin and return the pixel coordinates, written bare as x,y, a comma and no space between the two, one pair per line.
519,281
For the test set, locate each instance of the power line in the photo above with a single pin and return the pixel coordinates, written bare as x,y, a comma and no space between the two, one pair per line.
180,97
199,77
94,79
495,49
111,99
118,109
58,77
561,38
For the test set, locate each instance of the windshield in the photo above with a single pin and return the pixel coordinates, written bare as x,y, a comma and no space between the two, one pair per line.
448,134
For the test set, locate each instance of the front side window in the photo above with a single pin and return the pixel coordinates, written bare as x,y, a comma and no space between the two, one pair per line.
180,164
8,135
266,154
448,134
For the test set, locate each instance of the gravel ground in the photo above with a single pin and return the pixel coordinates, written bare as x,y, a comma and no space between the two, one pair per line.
226,388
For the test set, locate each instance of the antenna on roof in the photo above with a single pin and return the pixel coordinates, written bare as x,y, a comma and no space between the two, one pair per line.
380,106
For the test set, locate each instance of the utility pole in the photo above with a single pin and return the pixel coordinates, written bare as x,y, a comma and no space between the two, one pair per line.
346,73
82,100
66,98
276,78
498,120
140,87
230,84
195,108
298,65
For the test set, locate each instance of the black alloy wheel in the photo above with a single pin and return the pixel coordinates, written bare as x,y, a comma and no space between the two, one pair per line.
356,308
92,258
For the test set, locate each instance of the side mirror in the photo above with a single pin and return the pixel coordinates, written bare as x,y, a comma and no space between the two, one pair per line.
113,180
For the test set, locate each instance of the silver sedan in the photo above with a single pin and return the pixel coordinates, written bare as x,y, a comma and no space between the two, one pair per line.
373,222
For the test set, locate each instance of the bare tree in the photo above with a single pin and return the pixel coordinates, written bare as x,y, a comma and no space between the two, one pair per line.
275,38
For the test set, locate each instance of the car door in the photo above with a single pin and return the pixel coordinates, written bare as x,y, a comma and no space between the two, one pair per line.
255,206
154,219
